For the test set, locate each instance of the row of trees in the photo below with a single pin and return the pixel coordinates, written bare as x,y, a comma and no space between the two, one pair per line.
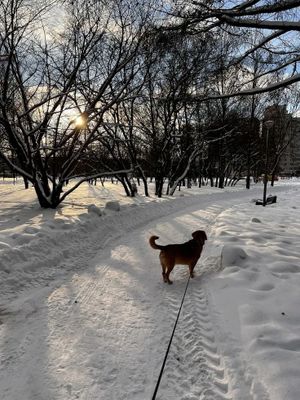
128,88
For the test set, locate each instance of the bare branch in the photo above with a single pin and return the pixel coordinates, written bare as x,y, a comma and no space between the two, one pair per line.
249,23
269,88
99,175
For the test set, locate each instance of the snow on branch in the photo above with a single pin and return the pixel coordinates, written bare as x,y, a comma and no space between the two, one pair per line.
244,9
251,23
269,88
203,14
247,9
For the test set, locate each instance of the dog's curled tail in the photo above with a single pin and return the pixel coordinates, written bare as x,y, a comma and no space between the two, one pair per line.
153,244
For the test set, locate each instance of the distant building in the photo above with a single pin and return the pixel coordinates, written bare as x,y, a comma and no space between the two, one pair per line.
292,157
285,138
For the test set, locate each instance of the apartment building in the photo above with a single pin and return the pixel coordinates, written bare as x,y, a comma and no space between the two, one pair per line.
285,139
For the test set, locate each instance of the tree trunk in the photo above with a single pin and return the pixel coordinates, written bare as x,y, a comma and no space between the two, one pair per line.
122,180
46,198
44,203
168,189
131,187
273,178
199,181
26,183
144,179
248,180
221,182
146,190
158,186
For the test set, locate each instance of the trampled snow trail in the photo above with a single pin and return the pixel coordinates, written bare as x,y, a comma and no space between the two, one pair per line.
102,333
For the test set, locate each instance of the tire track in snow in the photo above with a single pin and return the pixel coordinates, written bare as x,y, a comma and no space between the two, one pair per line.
194,369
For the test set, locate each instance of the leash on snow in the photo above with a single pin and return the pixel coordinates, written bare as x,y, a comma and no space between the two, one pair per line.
169,345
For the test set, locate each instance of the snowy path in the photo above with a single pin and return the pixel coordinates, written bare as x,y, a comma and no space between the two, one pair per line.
102,332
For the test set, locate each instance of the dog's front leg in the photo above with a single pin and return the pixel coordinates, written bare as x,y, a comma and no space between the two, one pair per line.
191,268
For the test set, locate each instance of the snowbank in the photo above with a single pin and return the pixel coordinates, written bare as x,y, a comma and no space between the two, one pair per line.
256,296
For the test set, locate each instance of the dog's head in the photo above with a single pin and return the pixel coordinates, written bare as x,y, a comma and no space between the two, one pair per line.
199,236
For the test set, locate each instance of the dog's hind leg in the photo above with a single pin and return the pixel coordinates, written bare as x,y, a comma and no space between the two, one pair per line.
164,270
169,270
164,275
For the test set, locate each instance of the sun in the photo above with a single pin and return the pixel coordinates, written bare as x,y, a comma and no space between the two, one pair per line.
80,121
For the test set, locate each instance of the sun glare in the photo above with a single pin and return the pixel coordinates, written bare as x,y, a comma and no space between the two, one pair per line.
80,122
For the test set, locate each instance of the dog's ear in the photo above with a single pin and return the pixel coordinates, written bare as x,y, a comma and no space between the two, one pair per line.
194,235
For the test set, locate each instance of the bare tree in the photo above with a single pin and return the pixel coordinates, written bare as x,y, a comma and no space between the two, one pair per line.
166,123
131,138
59,84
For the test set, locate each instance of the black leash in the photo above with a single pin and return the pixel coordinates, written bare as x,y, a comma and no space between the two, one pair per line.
169,345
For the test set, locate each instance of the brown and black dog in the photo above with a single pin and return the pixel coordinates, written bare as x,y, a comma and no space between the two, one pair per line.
187,253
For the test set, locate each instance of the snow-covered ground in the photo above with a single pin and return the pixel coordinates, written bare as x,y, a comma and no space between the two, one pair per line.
84,313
